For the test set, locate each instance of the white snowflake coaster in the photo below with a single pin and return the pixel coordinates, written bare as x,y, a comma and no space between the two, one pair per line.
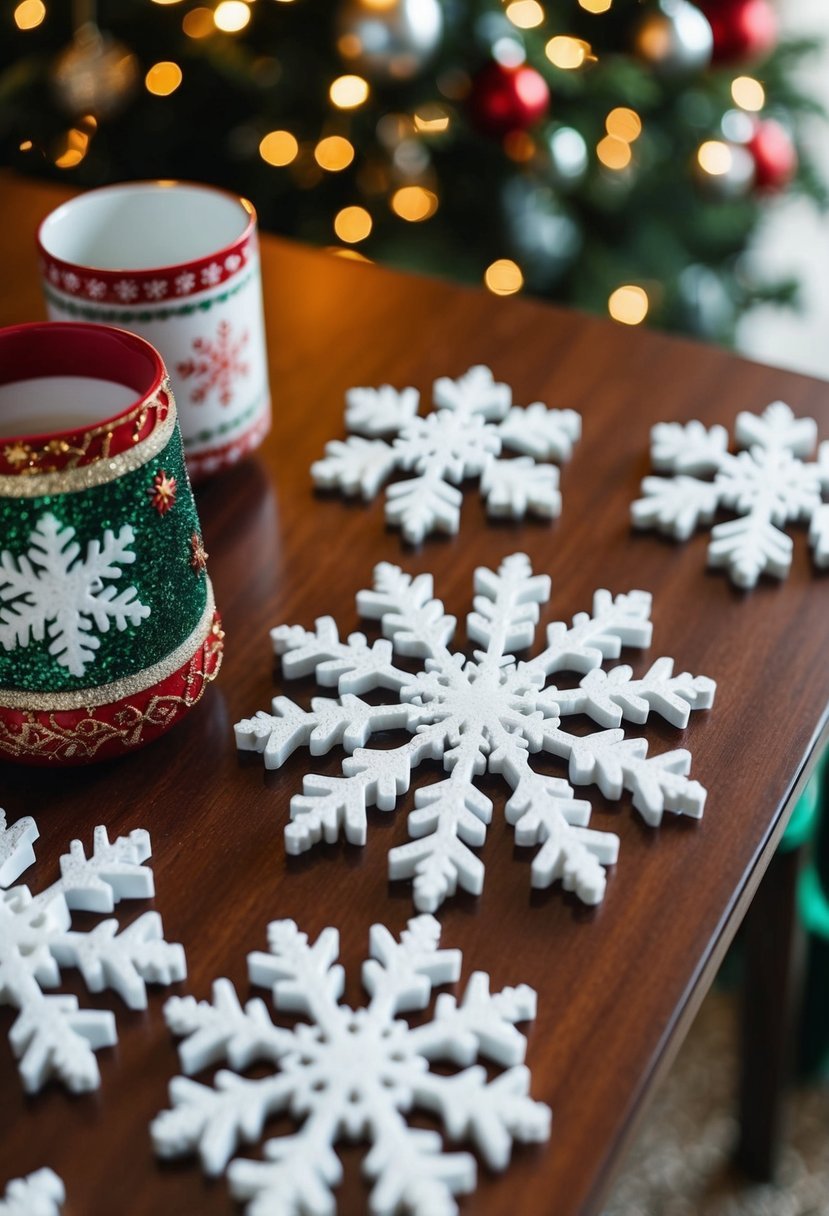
39,1194
766,485
473,421
351,1075
51,591
51,1036
491,711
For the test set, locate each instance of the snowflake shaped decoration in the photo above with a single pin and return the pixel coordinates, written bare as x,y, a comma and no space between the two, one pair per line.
767,485
490,711
215,364
353,1075
38,1194
473,422
51,1036
52,592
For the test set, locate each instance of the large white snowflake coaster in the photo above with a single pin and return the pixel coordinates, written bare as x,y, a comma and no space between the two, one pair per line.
38,1194
51,1036
766,485
474,420
352,1074
488,712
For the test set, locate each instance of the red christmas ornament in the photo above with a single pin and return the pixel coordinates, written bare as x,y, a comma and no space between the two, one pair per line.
505,99
775,156
743,29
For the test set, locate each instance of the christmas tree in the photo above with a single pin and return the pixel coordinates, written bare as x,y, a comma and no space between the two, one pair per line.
610,154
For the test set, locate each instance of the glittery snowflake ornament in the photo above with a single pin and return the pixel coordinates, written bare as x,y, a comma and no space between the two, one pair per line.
51,1036
488,712
52,592
352,1075
38,1194
766,485
474,420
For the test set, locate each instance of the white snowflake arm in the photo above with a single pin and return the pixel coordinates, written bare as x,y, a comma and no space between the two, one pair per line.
223,1029
675,506
541,433
475,392
380,411
297,1176
355,466
350,722
423,504
613,763
690,448
16,851
608,696
615,622
39,1194
777,429
51,1036
481,1024
750,546
408,613
514,487
124,961
303,978
819,536
351,666
399,975
113,872
414,1175
214,1121
505,608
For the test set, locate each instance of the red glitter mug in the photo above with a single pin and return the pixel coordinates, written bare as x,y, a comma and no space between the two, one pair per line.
108,628
178,264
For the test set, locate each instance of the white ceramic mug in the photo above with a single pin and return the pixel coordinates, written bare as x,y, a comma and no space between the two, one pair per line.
178,264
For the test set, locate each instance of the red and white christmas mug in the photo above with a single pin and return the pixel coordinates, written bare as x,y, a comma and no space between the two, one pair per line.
108,628
177,263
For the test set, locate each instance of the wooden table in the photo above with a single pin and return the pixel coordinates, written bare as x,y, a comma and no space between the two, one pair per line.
618,985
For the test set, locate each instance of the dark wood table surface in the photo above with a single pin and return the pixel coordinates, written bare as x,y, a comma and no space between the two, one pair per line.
617,985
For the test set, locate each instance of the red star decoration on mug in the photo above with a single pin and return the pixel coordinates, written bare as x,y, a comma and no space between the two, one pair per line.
198,554
162,492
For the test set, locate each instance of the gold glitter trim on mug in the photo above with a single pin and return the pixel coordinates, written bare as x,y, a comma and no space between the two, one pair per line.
85,738
66,481
109,694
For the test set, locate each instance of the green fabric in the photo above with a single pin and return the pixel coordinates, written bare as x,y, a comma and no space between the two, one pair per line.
161,573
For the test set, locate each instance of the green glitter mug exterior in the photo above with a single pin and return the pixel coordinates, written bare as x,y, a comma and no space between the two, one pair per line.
108,628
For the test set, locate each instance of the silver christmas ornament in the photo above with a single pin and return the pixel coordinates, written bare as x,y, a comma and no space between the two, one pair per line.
545,239
674,38
707,309
729,174
389,41
95,74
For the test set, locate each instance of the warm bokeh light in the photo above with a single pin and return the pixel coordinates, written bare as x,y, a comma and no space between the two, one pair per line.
715,157
278,147
431,119
351,255
748,93
25,145
231,16
166,2
414,203
29,14
628,304
519,146
163,78
348,92
352,224
614,153
595,6
526,14
334,153
624,124
503,277
566,52
198,23
75,145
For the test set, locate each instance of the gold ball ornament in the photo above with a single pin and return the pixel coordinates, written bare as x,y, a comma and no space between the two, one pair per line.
95,74
675,38
389,40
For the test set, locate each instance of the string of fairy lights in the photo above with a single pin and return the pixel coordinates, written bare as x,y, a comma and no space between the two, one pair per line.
416,200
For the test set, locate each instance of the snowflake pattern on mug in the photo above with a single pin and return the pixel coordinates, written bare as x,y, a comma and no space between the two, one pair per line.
214,365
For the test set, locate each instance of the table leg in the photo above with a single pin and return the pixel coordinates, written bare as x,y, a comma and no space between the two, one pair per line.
773,952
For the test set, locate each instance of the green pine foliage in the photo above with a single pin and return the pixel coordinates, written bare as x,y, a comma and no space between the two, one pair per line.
657,223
